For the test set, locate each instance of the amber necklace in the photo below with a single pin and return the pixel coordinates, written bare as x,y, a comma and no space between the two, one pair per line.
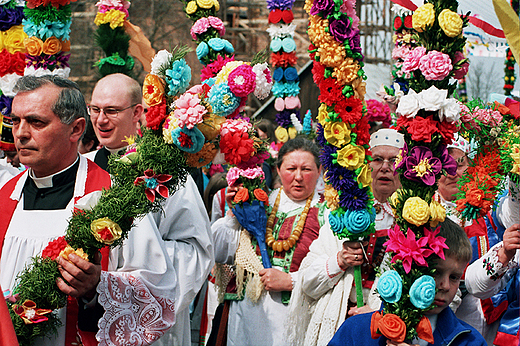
285,245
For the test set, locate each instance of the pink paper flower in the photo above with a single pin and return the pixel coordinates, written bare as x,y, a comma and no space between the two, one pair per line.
242,80
435,65
217,24
437,244
189,112
411,62
154,184
488,117
400,52
235,125
107,5
407,249
463,70
199,27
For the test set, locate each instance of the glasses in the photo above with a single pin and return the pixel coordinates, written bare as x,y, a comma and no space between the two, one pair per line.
462,163
109,112
377,162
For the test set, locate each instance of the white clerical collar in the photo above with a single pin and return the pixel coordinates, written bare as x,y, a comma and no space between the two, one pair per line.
46,182
115,151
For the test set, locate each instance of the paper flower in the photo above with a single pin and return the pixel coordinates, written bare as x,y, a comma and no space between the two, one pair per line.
337,133
336,222
160,61
263,82
241,196
154,184
105,230
435,65
178,77
420,165
30,314
392,327
409,104
242,80
68,250
260,195
437,244
450,22
416,211
358,221
411,61
188,110
423,17
53,249
351,156
222,100
407,249
390,286
237,147
422,292
153,90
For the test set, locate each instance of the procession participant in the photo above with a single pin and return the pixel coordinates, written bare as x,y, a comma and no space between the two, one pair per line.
326,285
115,110
48,120
447,329
296,213
9,165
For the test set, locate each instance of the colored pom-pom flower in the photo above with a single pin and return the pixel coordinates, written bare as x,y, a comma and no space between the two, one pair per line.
154,184
188,140
242,80
105,230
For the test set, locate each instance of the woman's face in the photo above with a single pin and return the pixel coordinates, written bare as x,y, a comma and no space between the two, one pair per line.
448,186
298,174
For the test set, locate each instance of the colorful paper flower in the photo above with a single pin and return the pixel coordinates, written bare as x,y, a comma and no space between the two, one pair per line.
423,17
437,244
422,292
105,230
154,184
189,111
435,65
351,156
178,77
30,314
222,100
450,22
53,249
407,249
420,165
153,90
390,286
242,80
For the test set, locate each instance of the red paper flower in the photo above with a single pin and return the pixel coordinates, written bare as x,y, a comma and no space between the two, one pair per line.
154,184
330,92
283,59
237,147
53,249
421,129
349,109
317,72
155,115
362,130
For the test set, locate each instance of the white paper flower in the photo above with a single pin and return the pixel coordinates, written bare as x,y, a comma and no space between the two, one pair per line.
281,30
263,85
409,104
450,110
160,59
296,123
432,99
7,84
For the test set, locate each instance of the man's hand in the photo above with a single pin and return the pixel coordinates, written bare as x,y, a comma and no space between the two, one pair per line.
275,280
510,245
81,277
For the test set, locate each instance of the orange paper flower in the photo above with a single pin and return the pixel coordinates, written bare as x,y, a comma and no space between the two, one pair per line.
52,46
424,330
393,327
374,325
241,196
260,195
33,45
153,90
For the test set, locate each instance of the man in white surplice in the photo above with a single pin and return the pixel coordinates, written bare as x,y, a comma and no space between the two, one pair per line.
115,111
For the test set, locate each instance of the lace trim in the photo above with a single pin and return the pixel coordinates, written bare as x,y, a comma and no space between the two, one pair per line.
494,268
133,316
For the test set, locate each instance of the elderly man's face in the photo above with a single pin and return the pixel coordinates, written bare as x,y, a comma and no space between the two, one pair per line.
44,143
112,130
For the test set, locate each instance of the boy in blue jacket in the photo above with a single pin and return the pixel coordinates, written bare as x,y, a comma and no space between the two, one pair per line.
447,328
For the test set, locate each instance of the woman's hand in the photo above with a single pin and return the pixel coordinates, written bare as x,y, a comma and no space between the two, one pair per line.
230,194
511,244
351,255
275,280
362,310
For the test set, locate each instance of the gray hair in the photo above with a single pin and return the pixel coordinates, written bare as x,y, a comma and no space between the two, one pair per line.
70,104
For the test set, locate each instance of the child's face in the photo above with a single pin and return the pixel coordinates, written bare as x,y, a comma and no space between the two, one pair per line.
447,279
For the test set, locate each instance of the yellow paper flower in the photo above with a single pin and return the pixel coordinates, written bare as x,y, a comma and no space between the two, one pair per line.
515,155
360,88
2,35
331,197
116,18
351,156
14,38
210,127
450,22
323,115
51,46
437,213
153,89
206,4
105,230
217,5
222,76
69,250
423,17
169,125
281,134
347,71
337,133
191,7
365,176
33,45
292,132
416,211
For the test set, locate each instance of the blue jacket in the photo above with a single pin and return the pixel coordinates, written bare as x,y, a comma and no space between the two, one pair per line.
450,330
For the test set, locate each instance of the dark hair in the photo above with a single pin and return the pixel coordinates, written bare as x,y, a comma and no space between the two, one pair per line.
457,241
216,183
266,126
89,135
70,104
299,143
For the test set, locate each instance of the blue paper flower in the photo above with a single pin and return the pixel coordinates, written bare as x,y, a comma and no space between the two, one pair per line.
202,50
390,286
422,292
188,140
358,221
354,198
276,45
178,77
336,222
278,74
290,74
288,45
228,47
292,88
279,4
216,44
222,100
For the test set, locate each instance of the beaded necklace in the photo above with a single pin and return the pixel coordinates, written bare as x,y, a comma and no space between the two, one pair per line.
285,245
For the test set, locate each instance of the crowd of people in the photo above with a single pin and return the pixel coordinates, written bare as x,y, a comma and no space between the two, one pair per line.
195,252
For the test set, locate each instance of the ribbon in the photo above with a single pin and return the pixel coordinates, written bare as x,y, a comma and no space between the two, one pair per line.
30,313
